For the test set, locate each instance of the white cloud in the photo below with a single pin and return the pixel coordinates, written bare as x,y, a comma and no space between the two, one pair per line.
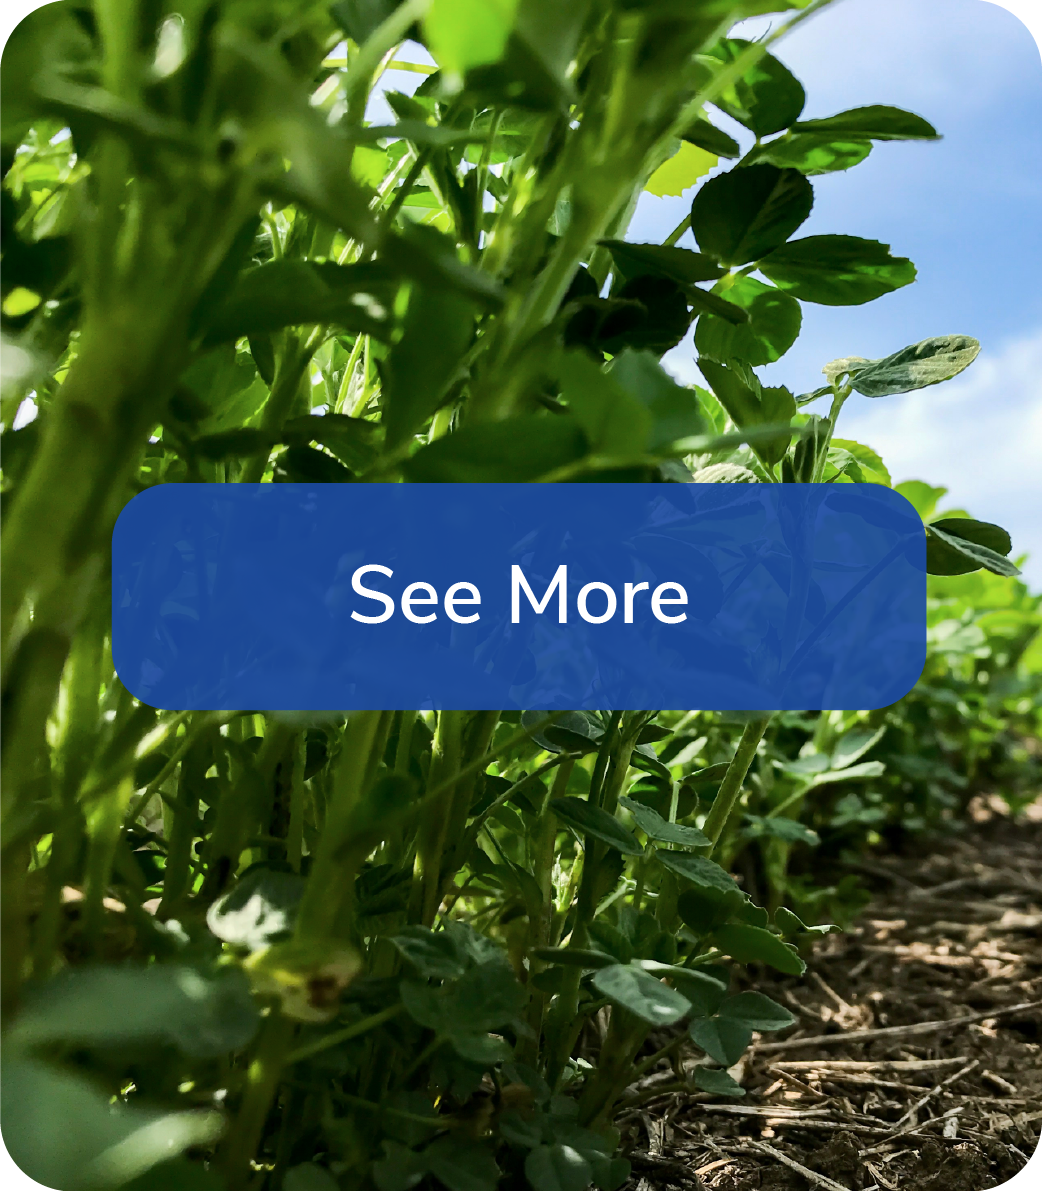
957,52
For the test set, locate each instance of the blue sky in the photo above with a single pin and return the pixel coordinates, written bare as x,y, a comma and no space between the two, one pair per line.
966,210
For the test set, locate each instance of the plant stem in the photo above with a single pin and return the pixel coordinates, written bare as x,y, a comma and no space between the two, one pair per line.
406,724
345,1035
434,823
325,909
295,833
731,786
104,821
186,819
678,231
262,1079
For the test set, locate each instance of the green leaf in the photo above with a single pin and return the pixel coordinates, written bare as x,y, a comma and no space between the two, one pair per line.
958,545
259,910
641,994
773,327
700,870
115,1006
837,270
660,260
462,1165
580,725
431,259
486,997
724,473
923,497
400,1169
615,422
681,172
611,1173
232,444
515,1129
557,1168
778,827
855,743
723,1039
852,773
292,293
927,363
870,463
705,135
752,915
662,316
45,37
219,391
179,1175
791,925
484,1050
757,1011
754,944
703,908
706,302
876,122
573,957
417,131
551,32
748,212
617,944
62,1131
675,410
515,450
658,828
309,1176
306,465
434,954
749,406
592,820
423,364
718,1083
767,98
705,992
810,154
361,18
352,440
463,34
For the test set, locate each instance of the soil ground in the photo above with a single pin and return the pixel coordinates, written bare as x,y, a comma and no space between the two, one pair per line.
953,933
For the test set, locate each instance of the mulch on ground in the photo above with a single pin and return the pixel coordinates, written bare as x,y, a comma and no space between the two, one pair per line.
915,1059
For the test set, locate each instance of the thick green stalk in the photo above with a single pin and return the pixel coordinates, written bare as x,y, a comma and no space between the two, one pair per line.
79,706
325,910
262,1080
295,833
25,779
104,823
564,1024
540,930
445,763
406,724
177,873
615,1069
731,786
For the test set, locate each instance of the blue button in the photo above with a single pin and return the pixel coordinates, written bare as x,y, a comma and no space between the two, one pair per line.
509,596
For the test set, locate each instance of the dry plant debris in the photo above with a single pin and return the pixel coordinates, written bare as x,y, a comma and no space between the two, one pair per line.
915,1060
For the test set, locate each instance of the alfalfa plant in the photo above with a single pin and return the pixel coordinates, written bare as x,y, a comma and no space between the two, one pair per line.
247,950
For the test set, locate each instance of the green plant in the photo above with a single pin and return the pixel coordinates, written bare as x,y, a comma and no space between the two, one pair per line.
301,951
